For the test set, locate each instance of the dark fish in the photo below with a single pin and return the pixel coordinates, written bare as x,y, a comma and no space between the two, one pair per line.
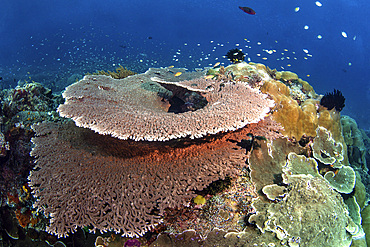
150,37
248,10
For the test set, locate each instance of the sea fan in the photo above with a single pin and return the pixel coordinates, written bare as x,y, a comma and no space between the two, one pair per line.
333,100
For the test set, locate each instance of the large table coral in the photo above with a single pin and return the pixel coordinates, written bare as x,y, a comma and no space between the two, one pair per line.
137,107
178,135
111,184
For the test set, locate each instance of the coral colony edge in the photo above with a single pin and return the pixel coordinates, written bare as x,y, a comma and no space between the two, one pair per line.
241,155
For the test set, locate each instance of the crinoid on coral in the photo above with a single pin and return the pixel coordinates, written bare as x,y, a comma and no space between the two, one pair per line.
235,55
333,100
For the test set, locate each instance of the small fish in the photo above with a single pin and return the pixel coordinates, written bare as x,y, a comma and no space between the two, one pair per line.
209,77
318,4
216,64
344,34
170,67
178,74
308,75
296,9
248,10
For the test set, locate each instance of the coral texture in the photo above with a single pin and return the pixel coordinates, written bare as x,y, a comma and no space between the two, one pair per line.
137,107
326,149
310,214
297,120
82,178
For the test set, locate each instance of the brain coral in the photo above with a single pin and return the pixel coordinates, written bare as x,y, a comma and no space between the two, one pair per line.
82,178
136,107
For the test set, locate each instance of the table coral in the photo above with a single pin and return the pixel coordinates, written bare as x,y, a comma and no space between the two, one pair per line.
145,112
98,179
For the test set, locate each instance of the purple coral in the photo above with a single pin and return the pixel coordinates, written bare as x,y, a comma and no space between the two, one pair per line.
132,243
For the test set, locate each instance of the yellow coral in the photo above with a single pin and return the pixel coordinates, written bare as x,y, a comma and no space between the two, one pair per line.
286,76
330,120
199,200
297,120
120,73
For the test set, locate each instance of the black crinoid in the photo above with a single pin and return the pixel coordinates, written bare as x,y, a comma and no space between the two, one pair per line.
333,100
235,55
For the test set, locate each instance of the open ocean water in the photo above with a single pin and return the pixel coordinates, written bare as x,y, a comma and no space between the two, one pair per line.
325,43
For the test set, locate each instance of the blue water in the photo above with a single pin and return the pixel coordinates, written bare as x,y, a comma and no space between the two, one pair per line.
48,41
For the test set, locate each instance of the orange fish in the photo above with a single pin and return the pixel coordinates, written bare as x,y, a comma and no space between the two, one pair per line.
178,74
248,10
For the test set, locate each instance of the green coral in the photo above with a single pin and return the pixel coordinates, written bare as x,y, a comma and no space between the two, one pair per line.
326,149
317,212
120,73
274,192
366,223
297,165
354,140
342,180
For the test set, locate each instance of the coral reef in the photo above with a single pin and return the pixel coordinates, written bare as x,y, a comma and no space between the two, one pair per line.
225,176
354,140
297,120
145,111
21,107
97,177
120,73
294,219
326,149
